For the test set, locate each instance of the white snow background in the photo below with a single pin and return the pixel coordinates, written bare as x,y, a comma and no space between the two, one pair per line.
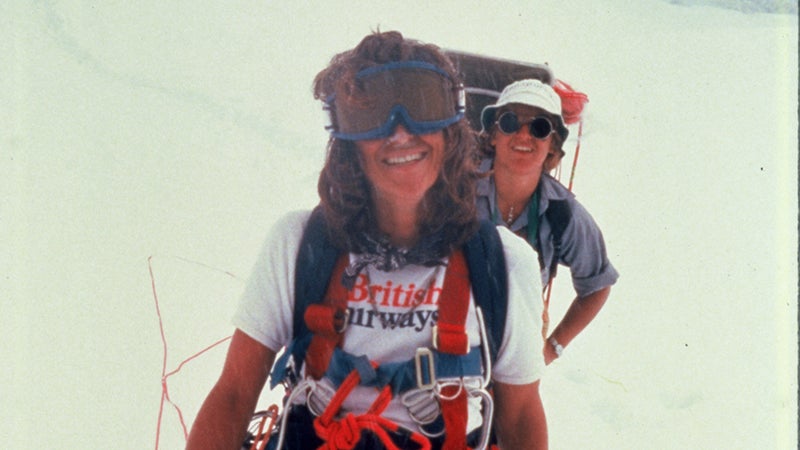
182,130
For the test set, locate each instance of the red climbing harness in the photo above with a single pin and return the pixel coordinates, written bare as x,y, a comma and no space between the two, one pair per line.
328,320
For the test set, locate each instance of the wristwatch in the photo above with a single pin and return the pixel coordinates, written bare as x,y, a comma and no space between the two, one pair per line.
556,346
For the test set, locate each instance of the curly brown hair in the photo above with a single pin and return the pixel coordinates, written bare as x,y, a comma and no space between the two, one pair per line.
448,207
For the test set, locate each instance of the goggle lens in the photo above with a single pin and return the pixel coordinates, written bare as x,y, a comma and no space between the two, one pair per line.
540,127
417,94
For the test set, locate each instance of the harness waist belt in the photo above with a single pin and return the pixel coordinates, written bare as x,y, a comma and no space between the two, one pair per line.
403,376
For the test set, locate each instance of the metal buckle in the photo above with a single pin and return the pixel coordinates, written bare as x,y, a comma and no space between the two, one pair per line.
319,395
421,405
426,353
344,316
487,356
290,378
488,412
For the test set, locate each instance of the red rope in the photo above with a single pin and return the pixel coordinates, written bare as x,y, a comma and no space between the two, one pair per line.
165,398
344,434
262,436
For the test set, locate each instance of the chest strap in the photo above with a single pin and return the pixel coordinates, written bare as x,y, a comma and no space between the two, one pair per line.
421,372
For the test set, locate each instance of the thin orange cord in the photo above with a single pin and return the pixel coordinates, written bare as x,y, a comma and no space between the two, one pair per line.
165,398
545,309
575,158
548,289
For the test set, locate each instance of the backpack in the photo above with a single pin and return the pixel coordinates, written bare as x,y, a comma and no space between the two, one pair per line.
484,79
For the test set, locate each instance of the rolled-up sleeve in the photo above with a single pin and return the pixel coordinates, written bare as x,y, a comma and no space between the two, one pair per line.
583,250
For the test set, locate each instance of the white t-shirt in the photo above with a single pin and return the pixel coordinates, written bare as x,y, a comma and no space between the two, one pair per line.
266,308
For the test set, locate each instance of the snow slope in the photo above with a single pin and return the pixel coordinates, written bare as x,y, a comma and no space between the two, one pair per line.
180,131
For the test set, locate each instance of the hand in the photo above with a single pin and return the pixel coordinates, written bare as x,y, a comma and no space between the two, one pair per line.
549,353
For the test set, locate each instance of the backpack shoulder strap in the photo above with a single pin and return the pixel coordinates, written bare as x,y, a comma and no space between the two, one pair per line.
316,255
558,214
487,274
315,262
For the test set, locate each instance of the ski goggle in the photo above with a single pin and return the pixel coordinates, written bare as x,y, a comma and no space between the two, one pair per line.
417,94
540,127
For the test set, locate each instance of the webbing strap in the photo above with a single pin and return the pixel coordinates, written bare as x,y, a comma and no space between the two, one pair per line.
327,321
454,413
402,376
449,334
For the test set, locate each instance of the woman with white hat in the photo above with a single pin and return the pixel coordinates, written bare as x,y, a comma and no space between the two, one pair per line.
522,138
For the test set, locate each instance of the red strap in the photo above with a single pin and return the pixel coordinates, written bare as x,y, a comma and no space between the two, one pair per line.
451,337
326,321
454,413
450,334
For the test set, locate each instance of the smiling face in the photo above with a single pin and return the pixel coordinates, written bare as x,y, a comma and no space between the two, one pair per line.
403,166
520,152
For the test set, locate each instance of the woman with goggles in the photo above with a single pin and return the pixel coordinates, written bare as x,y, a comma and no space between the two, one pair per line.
397,199
521,140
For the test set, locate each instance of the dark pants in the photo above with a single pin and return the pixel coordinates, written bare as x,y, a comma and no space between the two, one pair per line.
300,435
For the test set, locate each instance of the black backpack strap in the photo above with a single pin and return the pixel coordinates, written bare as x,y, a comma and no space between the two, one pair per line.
558,214
487,274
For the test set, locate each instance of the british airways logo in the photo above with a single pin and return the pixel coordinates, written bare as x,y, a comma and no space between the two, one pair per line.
420,305
389,294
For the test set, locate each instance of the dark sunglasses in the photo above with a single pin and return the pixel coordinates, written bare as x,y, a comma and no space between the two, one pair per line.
540,127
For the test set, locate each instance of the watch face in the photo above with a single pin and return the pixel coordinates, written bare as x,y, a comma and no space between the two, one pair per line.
556,346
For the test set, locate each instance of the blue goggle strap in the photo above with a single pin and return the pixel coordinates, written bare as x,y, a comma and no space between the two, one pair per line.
399,114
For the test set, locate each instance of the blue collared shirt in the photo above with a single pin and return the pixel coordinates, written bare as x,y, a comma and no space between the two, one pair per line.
582,249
